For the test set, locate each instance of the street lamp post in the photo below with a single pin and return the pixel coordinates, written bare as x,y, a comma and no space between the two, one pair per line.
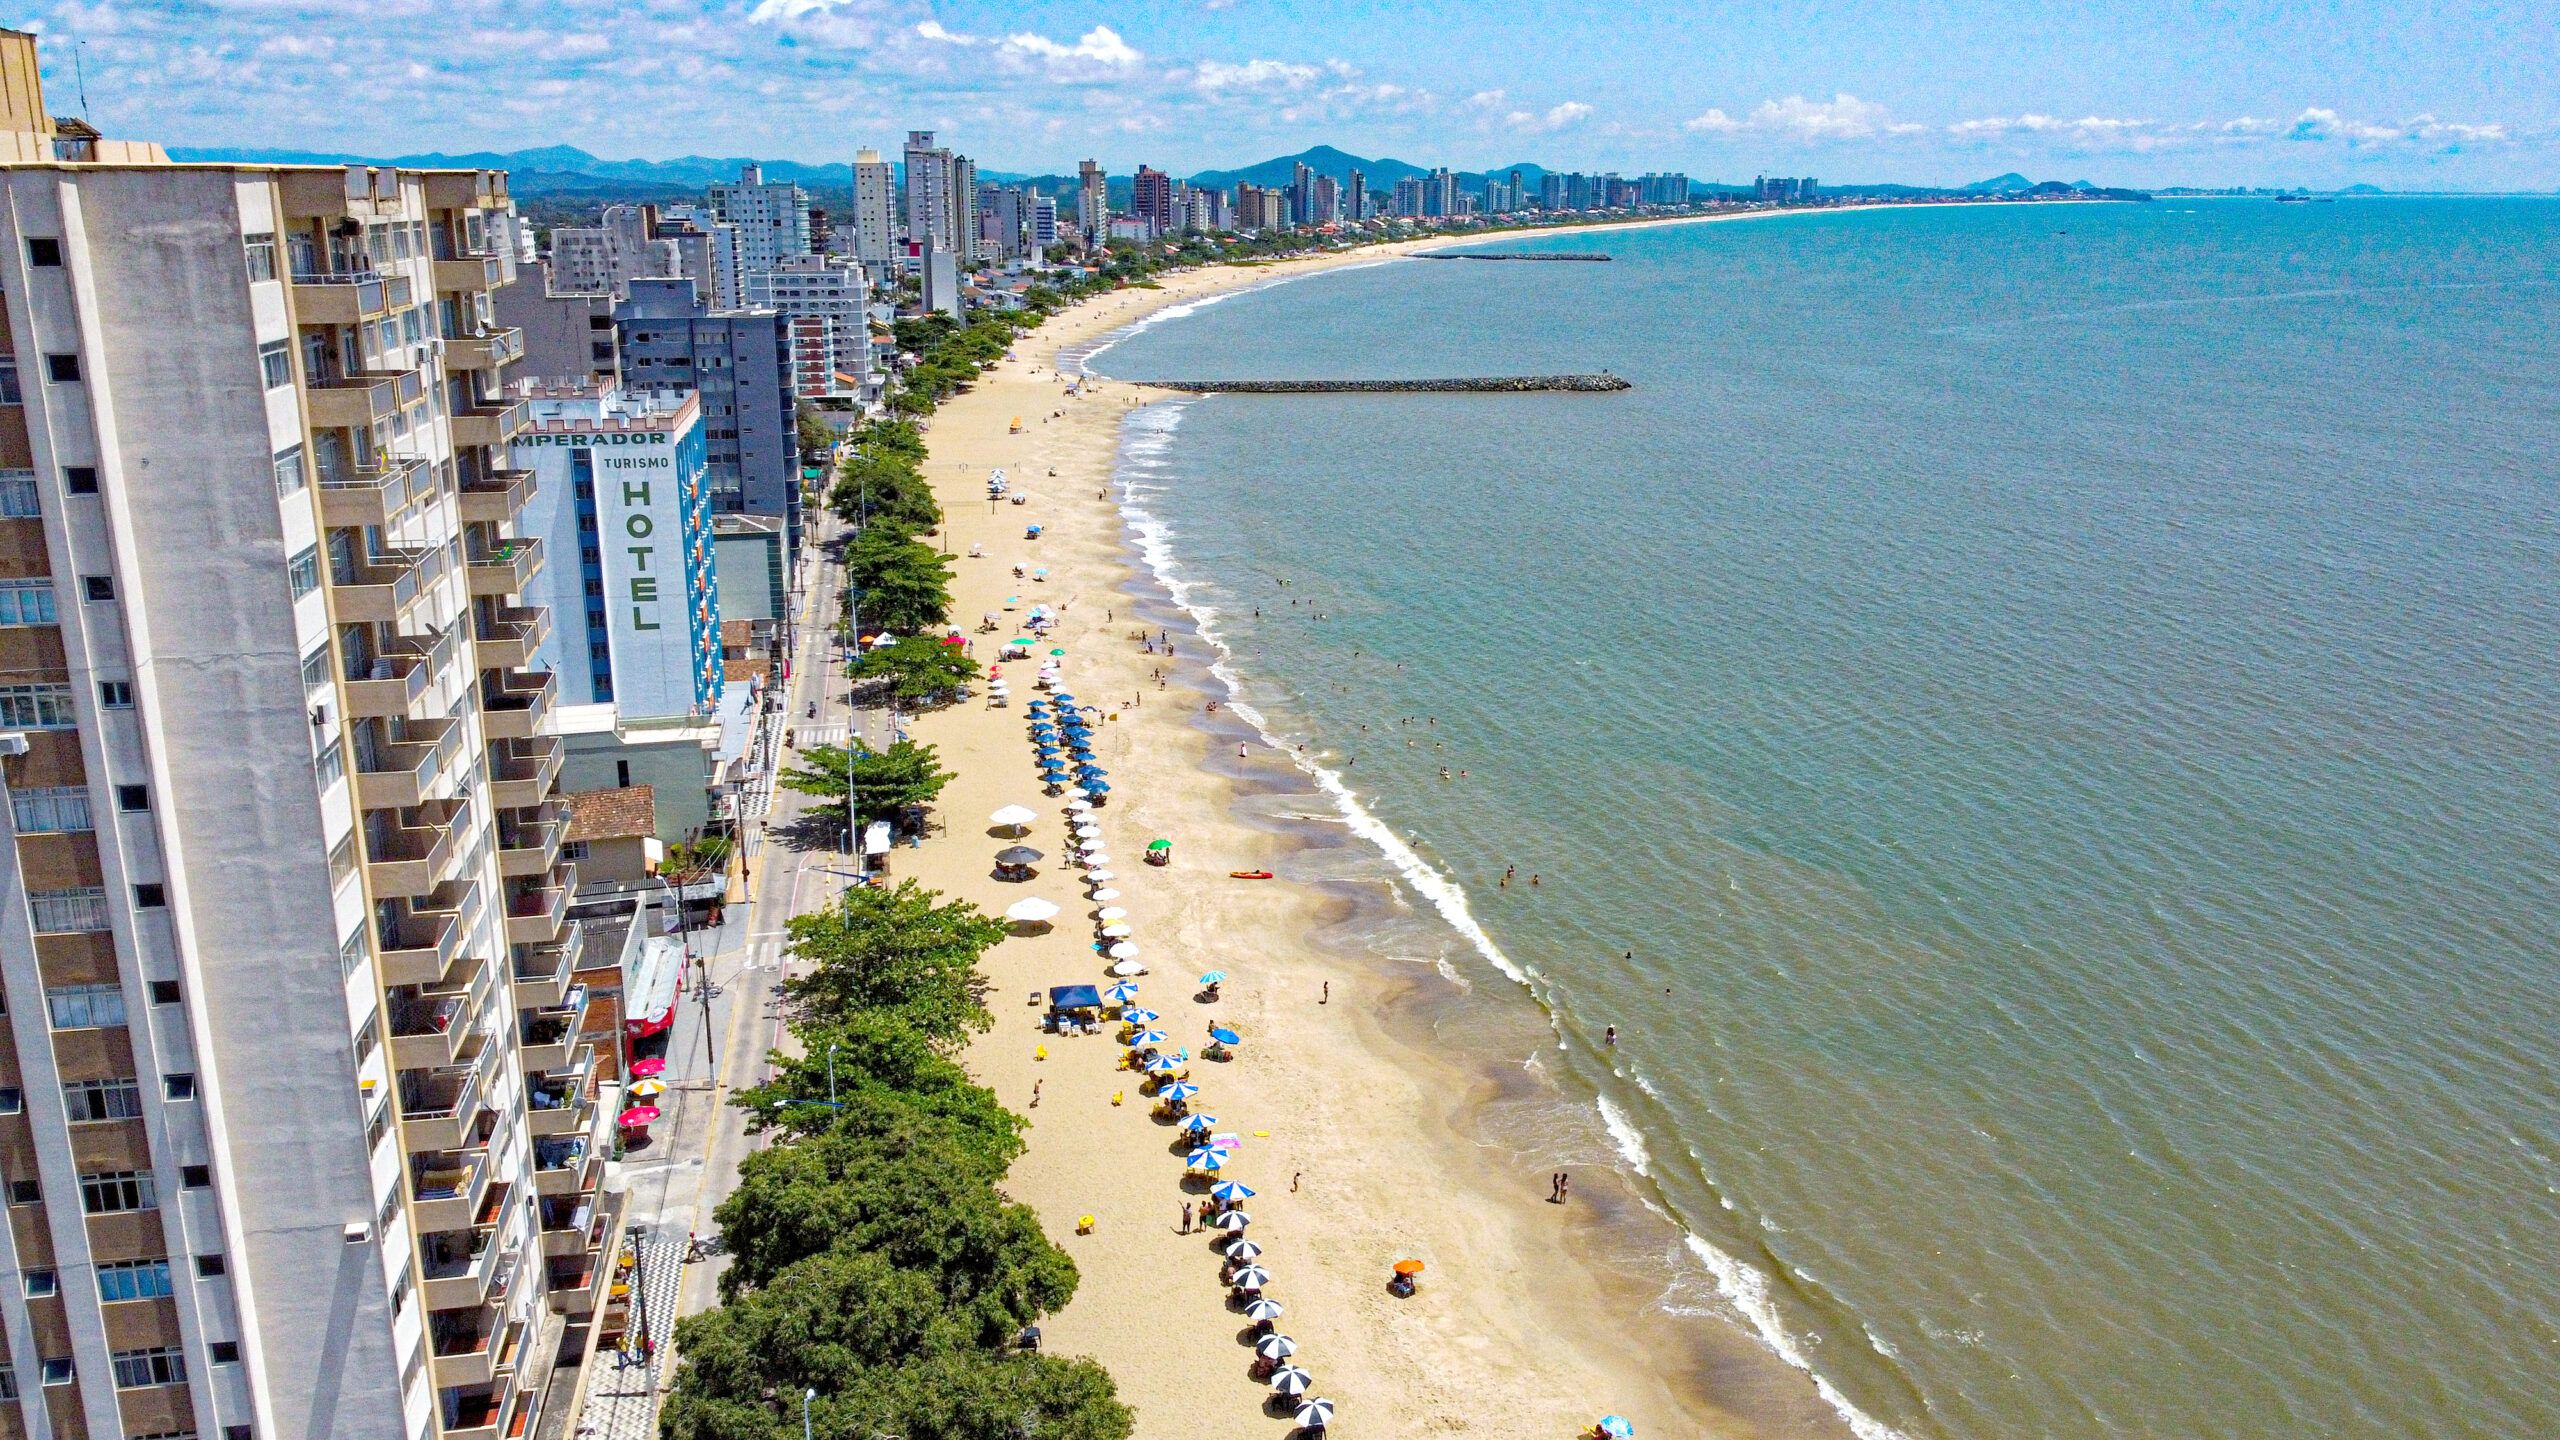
805,1397
831,1074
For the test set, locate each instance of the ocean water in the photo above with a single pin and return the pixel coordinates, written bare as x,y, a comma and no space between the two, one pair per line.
2041,727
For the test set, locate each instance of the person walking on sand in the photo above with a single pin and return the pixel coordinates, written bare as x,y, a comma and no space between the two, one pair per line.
1035,1094
1327,997
1555,1187
1293,1180
1186,1217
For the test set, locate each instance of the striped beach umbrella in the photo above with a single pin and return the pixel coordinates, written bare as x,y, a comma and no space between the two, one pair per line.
1275,1347
1315,1414
1141,1016
1251,1277
1163,1065
1234,1222
1198,1123
1214,977
1206,1160
1122,994
1291,1380
1242,1250
1230,1190
1261,1309
1147,1037
1178,1090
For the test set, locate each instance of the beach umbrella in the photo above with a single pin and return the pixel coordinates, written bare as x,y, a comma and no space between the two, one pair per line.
1125,950
637,1115
1127,968
1092,858
1117,930
1272,1347
1177,1091
647,1089
1031,911
1065,699
1147,1037
1079,805
1219,1033
1231,1190
1111,912
1241,1250
1290,1380
1103,890
1162,1065
653,1065
1250,1277
1207,1161
1051,775
1408,1268
1259,1309
1198,1123
1087,827
1315,1414
1142,1017
1214,977
1122,994
1017,855
1095,788
1155,845
1616,1427
1054,652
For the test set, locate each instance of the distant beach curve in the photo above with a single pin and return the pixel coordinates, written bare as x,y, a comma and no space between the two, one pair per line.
1590,384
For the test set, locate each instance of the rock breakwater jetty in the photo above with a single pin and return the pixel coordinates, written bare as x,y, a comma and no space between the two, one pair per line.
1459,385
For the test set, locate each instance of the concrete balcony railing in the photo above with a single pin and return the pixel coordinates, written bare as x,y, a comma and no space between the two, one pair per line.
449,1187
421,949
559,1104
391,687
484,351
507,569
397,776
476,1350
521,773
542,974
457,1265
410,860
535,913
384,590
509,641
355,402
500,1415
515,708
440,1108
474,272
492,424
546,1038
565,1166
340,299
530,843
577,1279
373,497
498,496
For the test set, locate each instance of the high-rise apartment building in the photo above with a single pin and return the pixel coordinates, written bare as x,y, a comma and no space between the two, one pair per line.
772,220
1151,200
304,1141
1355,197
1408,197
1093,201
1004,221
942,193
822,300
706,251
599,259
875,234
1044,221
740,362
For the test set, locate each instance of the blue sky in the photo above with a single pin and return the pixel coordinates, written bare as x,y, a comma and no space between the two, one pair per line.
2395,92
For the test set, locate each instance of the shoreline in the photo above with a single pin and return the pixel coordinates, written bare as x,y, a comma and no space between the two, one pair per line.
1365,1093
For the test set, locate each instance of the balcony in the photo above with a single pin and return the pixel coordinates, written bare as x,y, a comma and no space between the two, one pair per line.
536,912
558,1104
383,590
484,351
373,497
506,569
439,1108
472,1348
521,772
577,1278
565,1166
529,841
516,706
449,1187
408,860
508,641
395,776
356,402
498,496
422,946
389,687
542,974
489,424
427,1031
498,1415
339,299
548,1036
479,272
457,1265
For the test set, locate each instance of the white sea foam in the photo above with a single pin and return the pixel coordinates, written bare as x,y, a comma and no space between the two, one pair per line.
1148,433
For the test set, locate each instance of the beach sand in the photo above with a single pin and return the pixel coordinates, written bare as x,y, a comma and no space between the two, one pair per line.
1362,1131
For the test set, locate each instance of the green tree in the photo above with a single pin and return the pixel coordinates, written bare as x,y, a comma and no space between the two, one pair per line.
919,671
890,1080
881,782
815,433
901,950
897,584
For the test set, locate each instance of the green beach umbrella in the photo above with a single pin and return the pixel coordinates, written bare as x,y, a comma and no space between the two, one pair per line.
1057,652
1159,845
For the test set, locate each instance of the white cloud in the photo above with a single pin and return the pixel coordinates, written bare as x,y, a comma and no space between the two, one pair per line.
1842,117
1261,77
1097,54
1558,117
2319,124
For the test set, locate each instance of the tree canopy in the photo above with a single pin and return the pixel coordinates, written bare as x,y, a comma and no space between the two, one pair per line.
920,672
881,782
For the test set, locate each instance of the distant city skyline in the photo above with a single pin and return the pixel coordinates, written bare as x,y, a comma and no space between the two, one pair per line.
2116,92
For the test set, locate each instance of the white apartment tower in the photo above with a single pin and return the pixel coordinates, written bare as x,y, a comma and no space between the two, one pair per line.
304,1144
822,299
875,234
942,193
772,220
1093,201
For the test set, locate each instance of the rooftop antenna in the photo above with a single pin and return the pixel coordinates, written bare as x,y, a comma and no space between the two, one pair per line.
80,77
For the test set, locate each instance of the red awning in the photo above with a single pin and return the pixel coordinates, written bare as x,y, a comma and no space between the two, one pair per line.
650,982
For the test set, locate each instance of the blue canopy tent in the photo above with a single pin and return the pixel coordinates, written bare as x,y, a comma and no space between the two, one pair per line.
1074,997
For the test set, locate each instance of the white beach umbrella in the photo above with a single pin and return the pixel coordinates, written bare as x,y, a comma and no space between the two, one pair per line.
1095,859
1251,1277
1013,816
1079,805
1125,950
1245,1250
1315,1414
1116,931
1259,1309
1128,967
1290,1380
1102,890
1031,911
1089,830
1111,912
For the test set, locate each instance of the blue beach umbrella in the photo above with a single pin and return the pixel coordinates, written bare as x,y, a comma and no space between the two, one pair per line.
1178,1090
1142,1017
1200,1124
1206,1160
1163,1065
1214,977
1122,994
1231,1190
1616,1427
1225,1036
1147,1037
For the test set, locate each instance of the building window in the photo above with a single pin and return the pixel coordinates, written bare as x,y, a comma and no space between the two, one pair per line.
18,498
164,992
196,1177
92,1102
84,1007
134,1280
8,1382
224,1352
44,250
35,707
178,1085
51,810
209,1267
275,363
304,571
133,798
62,369
59,912
41,1283
115,694
13,1101
27,602
10,391
330,765
114,1192
25,1192
98,589
262,257
58,1370
350,954
150,895
78,479
160,1365
289,472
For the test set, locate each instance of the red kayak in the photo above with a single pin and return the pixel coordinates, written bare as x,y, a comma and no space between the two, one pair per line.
1248,874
